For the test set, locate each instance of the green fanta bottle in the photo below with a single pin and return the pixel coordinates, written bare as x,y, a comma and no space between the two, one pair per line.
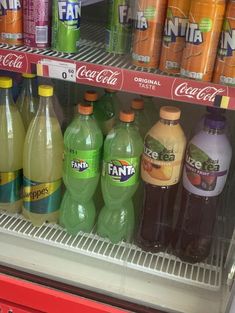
83,142
120,177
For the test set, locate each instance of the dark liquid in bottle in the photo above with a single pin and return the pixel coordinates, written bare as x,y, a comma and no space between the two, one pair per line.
194,230
155,230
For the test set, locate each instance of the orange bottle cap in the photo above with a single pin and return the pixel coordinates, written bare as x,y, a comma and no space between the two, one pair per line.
137,104
170,113
85,109
91,95
110,90
126,116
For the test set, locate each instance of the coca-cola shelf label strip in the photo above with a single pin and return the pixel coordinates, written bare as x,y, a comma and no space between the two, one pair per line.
144,83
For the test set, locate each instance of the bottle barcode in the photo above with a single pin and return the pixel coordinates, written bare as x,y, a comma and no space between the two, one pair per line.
41,34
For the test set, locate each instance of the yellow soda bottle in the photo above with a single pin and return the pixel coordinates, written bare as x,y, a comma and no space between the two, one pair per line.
12,135
27,101
42,163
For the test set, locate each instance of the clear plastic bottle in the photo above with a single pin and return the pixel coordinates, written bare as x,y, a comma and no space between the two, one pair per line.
12,136
27,101
83,141
120,178
141,120
42,163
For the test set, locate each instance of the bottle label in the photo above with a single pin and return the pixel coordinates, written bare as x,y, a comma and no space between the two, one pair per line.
41,198
10,186
121,171
82,164
161,165
204,175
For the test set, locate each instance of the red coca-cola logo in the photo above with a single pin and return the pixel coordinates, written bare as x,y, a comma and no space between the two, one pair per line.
106,76
13,61
201,94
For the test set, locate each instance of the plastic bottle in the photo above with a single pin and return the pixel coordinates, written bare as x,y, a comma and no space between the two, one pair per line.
205,172
150,109
120,177
12,135
141,121
83,142
202,38
42,163
27,101
104,111
161,168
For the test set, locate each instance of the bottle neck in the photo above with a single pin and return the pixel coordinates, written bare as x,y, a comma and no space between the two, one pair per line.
28,83
84,117
6,97
46,107
126,124
212,131
169,122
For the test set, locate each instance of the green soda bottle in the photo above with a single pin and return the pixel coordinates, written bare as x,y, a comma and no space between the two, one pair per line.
27,101
120,178
141,119
83,142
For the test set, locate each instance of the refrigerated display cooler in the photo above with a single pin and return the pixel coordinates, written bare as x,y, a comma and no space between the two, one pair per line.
44,269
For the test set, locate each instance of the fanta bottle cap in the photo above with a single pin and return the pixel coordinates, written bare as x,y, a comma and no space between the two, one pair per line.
45,91
110,90
137,104
170,113
91,95
26,75
126,116
5,82
85,109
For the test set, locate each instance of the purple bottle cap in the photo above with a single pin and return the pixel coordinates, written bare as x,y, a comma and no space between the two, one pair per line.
215,121
215,111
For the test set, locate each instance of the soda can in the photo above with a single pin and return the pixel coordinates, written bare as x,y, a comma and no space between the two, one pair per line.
66,17
11,22
37,20
118,29
202,37
224,72
149,18
174,36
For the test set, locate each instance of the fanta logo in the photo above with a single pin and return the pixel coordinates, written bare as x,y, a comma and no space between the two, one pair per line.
141,22
120,170
124,14
193,34
10,4
105,76
79,165
69,11
207,93
227,40
175,27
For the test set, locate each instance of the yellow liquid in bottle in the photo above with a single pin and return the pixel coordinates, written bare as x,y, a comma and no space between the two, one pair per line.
12,135
43,153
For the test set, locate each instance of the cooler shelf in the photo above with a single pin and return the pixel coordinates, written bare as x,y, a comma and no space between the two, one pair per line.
94,66
206,275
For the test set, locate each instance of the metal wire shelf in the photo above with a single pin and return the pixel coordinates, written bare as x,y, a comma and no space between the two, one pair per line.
206,275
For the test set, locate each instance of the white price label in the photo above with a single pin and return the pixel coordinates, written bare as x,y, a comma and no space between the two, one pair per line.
57,69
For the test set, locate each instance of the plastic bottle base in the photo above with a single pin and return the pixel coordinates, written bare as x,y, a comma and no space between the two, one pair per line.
39,219
15,207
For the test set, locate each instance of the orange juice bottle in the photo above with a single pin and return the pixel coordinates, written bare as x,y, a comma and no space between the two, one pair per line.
224,72
202,36
174,36
11,22
148,27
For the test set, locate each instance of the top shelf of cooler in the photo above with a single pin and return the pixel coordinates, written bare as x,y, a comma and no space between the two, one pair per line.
94,66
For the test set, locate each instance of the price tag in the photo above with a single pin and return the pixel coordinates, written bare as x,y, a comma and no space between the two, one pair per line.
57,69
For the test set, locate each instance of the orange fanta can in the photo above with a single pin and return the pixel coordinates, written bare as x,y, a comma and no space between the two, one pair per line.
174,36
224,72
202,37
148,26
11,22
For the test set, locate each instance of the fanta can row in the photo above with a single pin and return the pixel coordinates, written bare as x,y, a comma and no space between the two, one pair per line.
189,38
30,23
